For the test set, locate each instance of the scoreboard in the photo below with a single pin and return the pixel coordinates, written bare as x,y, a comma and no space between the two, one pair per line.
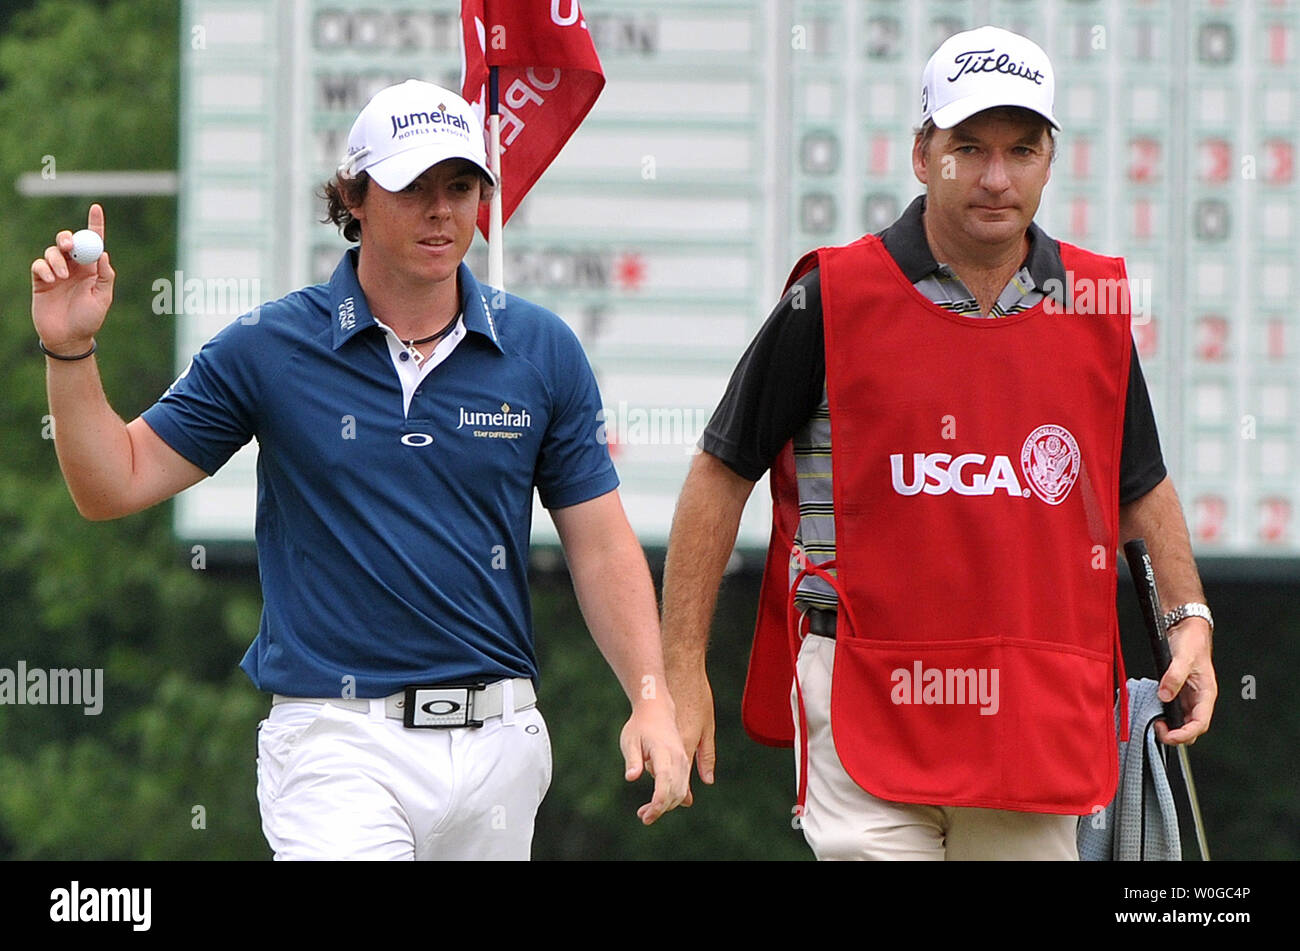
732,136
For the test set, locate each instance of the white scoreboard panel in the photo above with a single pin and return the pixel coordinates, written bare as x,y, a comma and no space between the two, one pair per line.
732,135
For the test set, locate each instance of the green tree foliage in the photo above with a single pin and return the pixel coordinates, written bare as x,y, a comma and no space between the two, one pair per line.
91,87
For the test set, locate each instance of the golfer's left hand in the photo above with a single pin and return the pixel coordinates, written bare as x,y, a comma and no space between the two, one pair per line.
650,742
1192,673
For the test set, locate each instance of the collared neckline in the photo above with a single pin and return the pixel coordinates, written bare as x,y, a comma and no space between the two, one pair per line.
351,312
476,306
906,242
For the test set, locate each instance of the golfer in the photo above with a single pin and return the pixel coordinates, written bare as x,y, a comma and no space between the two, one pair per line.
404,415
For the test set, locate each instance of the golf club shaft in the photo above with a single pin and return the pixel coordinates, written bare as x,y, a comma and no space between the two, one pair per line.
1144,580
1185,764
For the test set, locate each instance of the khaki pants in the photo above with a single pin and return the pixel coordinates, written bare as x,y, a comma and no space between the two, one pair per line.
841,820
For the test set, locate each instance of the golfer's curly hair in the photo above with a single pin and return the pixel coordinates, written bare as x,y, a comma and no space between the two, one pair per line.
341,193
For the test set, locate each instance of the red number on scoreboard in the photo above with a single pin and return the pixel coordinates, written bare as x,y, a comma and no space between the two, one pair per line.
1144,160
1144,335
1215,160
1279,40
1210,511
880,149
1079,217
1081,154
1211,338
1279,162
1276,339
1274,519
1142,218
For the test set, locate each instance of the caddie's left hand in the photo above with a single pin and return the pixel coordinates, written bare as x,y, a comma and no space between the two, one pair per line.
650,742
1192,673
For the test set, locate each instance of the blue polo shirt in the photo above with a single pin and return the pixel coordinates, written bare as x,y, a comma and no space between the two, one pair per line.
392,546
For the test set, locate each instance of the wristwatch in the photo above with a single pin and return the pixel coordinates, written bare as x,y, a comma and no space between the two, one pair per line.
1184,611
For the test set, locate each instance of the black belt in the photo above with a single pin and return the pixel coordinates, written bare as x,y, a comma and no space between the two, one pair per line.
821,622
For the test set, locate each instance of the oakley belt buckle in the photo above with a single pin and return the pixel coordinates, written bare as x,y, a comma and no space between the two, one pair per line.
440,706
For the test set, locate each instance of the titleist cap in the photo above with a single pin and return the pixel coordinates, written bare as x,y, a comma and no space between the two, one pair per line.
983,69
407,128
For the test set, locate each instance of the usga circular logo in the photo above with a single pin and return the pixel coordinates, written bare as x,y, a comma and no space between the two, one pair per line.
1050,461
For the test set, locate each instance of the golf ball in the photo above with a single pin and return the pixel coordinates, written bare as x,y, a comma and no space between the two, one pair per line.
87,246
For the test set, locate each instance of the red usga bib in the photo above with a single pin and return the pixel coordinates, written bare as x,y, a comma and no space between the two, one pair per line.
975,468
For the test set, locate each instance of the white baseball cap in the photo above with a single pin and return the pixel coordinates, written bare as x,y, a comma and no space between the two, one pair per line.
407,128
983,69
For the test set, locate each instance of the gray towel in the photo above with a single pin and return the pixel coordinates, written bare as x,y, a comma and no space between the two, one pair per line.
1141,823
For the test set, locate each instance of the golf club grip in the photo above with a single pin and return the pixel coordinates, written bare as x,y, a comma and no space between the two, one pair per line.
1144,579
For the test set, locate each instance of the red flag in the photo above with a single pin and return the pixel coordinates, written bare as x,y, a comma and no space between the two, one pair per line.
548,79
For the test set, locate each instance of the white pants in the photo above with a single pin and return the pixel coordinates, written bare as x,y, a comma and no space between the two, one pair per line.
841,820
342,784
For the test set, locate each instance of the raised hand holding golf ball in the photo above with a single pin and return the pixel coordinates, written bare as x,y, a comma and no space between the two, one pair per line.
72,287
87,246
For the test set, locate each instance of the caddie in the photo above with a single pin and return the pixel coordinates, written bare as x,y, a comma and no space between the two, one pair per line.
404,414
959,439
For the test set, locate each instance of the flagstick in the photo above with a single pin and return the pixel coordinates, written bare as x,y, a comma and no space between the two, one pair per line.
496,250
496,246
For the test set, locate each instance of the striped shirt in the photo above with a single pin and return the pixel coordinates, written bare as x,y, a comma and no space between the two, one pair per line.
812,443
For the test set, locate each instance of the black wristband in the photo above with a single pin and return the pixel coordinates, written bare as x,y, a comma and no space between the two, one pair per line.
81,356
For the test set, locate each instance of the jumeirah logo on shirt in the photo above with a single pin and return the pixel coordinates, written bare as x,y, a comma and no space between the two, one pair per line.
512,422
